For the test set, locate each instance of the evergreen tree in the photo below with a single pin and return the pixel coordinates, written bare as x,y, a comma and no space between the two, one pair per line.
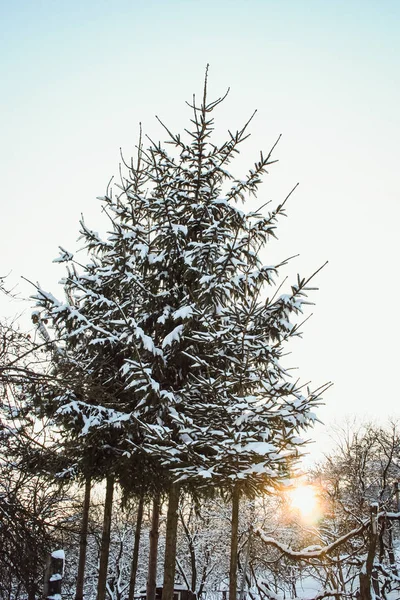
175,302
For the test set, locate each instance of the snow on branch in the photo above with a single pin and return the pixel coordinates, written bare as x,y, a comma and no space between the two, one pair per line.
321,551
314,551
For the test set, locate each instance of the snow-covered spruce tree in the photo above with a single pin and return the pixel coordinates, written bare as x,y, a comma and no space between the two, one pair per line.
81,397
178,294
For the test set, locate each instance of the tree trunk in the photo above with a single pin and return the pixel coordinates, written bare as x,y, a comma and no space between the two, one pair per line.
368,579
397,497
170,543
234,544
83,542
105,540
135,554
192,553
153,551
391,554
245,567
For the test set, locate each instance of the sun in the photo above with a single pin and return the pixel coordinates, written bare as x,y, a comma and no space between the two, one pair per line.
304,499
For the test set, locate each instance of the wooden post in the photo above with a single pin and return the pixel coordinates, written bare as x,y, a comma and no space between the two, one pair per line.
54,575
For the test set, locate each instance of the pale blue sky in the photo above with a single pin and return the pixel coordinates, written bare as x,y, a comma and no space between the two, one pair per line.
77,77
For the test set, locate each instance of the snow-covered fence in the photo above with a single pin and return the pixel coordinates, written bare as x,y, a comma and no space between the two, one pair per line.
54,575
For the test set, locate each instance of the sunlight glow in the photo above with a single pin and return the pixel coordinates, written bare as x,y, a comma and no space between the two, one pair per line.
304,499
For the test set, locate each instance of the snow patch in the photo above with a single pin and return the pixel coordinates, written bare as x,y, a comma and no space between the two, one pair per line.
174,336
183,313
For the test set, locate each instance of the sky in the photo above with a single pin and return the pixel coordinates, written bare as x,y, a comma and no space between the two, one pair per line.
77,77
